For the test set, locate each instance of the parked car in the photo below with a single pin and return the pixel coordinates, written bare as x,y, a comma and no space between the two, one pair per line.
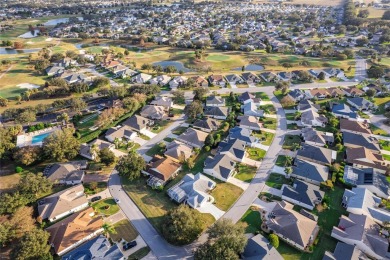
96,198
129,245
117,201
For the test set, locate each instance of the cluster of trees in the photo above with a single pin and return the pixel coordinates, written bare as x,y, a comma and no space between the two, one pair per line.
130,166
159,69
61,145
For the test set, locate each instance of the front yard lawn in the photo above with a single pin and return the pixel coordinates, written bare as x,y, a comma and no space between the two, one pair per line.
385,145
291,117
291,142
253,219
276,181
245,172
281,161
124,229
386,157
256,154
265,137
269,123
139,254
160,125
378,131
176,111
101,186
381,102
225,194
262,95
156,149
269,108
292,126
179,130
106,207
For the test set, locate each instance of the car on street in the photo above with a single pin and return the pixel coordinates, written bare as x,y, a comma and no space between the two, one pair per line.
117,201
96,198
129,245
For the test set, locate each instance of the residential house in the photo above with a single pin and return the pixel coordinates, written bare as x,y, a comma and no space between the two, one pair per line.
344,111
360,103
193,137
178,151
161,170
160,80
177,82
251,109
200,81
362,201
269,76
296,95
317,93
345,252
376,88
243,134
66,62
62,203
97,248
336,92
90,151
247,97
258,247
153,112
138,123
234,148
194,190
120,133
54,71
215,101
217,112
206,124
362,157
141,78
352,140
309,172
362,231
355,127
353,92
126,73
291,226
220,166
165,102
217,80
250,78
307,105
368,178
73,77
284,76
68,173
303,194
312,118
234,79
74,230
249,122
318,138
316,154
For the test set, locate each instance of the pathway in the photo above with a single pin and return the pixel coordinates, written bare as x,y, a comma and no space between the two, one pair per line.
212,209
239,183
5,72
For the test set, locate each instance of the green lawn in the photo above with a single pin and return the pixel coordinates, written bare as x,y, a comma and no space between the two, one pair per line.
179,130
157,149
124,229
271,109
385,145
292,126
168,139
160,125
265,137
291,117
291,142
199,162
276,181
269,123
176,111
288,252
139,254
100,187
262,95
106,207
281,161
245,172
386,157
225,194
253,220
256,153
378,131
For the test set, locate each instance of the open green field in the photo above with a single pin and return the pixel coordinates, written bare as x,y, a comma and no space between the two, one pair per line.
245,172
124,229
253,220
225,194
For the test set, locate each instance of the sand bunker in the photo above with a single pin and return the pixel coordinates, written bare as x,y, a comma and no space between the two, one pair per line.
28,86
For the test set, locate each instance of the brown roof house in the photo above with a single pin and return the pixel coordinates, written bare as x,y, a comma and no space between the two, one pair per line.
68,173
193,137
362,231
63,203
217,80
153,112
291,226
178,151
355,127
161,170
362,157
74,230
138,123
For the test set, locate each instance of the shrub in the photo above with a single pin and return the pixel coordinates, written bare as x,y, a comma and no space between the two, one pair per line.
207,148
18,169
274,240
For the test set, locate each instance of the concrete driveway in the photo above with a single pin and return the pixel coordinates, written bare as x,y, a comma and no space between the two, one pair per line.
212,209
232,84
140,244
149,134
104,194
239,183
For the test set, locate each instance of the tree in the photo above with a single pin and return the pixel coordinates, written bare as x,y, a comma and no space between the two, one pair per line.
288,170
287,101
194,109
27,116
362,41
27,155
178,96
200,92
33,245
61,145
63,117
18,45
226,241
283,86
170,69
126,52
107,156
375,71
386,15
370,92
363,13
130,166
209,140
77,104
321,76
41,64
146,66
10,202
182,225
3,102
71,54
101,82
7,137
33,184
20,223
108,229
274,240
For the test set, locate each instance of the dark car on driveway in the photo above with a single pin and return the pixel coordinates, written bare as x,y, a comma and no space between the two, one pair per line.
129,245
96,198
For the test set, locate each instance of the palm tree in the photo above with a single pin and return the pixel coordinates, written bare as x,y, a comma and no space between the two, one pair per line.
288,161
108,229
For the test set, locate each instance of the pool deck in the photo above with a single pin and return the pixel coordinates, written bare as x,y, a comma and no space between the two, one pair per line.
26,138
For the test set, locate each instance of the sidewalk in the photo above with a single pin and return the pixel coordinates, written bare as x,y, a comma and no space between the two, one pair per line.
239,183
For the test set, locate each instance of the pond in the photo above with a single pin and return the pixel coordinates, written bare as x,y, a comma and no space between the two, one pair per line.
4,51
29,34
177,64
54,22
251,67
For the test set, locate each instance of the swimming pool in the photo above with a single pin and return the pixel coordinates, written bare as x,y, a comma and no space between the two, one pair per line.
39,138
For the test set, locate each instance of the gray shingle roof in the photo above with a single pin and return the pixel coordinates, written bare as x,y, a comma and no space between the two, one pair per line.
303,192
310,170
319,154
235,147
360,140
221,164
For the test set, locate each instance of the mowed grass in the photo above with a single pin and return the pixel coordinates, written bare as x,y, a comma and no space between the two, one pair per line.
106,207
253,219
225,194
245,172
256,154
124,229
276,181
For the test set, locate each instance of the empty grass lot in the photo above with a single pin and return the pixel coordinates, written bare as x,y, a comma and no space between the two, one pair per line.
291,141
106,207
253,220
124,229
245,172
225,194
276,181
256,154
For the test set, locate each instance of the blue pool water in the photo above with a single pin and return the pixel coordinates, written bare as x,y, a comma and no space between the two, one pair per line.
39,138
